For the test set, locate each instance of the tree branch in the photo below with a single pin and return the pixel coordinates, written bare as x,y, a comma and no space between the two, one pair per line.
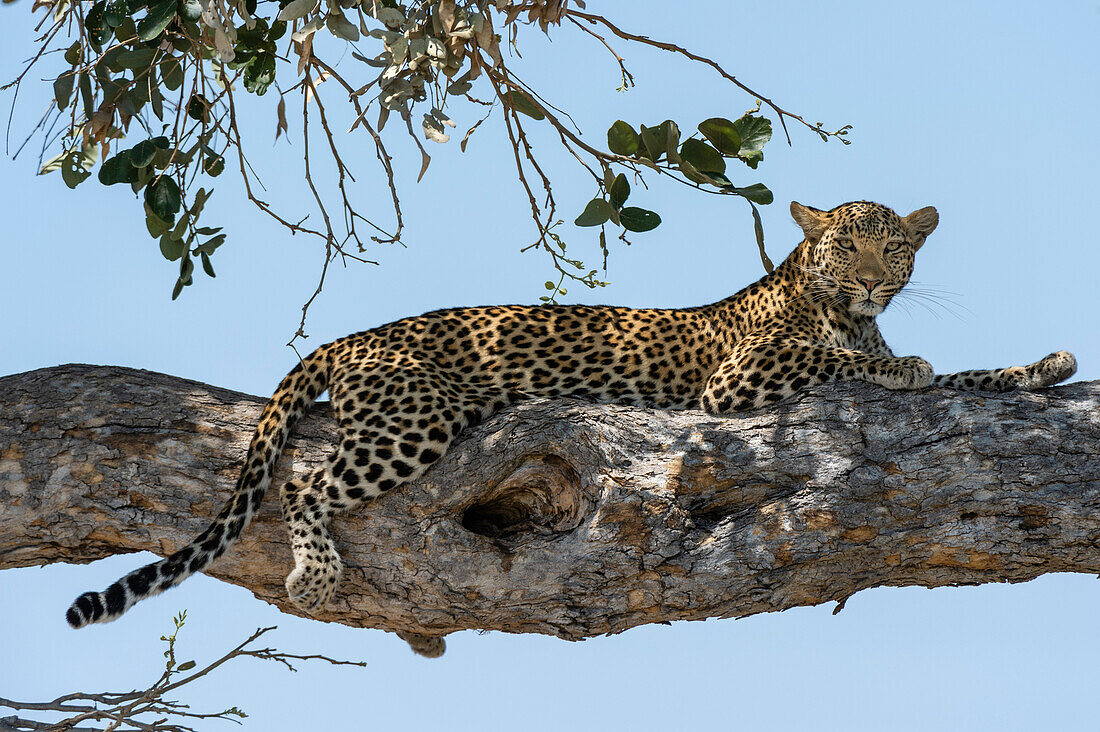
575,519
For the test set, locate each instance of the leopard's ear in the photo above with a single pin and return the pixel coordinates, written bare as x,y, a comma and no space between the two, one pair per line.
921,223
813,221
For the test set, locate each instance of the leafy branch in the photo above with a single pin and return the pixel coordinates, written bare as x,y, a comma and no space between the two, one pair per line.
171,73
150,710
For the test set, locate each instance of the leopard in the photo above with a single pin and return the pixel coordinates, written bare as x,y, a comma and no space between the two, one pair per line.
403,392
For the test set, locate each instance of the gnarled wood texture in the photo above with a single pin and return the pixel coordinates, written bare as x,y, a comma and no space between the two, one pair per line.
576,519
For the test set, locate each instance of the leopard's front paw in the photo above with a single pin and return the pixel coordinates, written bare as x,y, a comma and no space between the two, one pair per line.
910,372
1053,369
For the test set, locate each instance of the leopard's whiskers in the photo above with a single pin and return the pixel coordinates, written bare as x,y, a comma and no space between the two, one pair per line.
933,299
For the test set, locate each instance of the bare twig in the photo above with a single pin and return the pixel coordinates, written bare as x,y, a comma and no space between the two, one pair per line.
673,48
130,710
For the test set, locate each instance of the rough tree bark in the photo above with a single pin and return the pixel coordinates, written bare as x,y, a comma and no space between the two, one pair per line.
575,519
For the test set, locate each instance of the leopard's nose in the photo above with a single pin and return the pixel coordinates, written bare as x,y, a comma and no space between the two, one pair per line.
869,284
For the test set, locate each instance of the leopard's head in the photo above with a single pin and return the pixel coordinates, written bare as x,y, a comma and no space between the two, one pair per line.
861,253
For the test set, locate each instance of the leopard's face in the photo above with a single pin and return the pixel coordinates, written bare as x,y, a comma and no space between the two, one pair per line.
862,252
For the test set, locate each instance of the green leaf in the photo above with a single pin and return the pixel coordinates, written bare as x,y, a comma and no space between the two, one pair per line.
622,139
182,41
522,103
757,193
156,99
171,72
260,74
73,169
177,231
72,54
144,175
252,38
213,166
670,132
177,289
63,89
755,133
653,143
113,90
155,225
172,249
163,158
211,244
207,267
142,154
341,27
639,219
85,85
296,9
758,227
126,30
198,108
138,97
163,197
459,87
597,212
157,19
110,59
95,24
702,157
721,133
186,666
118,169
115,12
608,178
691,173
620,190
137,59
201,197
190,9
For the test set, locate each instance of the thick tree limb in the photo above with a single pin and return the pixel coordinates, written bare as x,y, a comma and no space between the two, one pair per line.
574,519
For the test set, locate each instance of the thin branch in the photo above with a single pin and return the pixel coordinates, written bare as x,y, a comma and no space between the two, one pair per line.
130,708
380,150
673,48
330,240
628,78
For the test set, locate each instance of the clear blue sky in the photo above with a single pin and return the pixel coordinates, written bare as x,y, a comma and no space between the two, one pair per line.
985,110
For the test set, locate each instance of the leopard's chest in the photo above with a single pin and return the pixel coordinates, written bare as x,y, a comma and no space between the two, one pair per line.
836,333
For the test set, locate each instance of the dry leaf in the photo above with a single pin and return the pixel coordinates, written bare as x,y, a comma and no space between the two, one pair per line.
447,14
424,165
280,111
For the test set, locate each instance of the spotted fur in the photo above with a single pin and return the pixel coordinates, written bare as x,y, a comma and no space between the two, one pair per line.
402,392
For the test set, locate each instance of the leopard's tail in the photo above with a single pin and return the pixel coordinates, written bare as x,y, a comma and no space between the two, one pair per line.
291,400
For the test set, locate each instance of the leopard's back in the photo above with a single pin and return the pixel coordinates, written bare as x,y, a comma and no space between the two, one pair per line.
643,357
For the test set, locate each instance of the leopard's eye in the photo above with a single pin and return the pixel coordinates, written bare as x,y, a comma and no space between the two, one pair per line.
845,243
893,246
